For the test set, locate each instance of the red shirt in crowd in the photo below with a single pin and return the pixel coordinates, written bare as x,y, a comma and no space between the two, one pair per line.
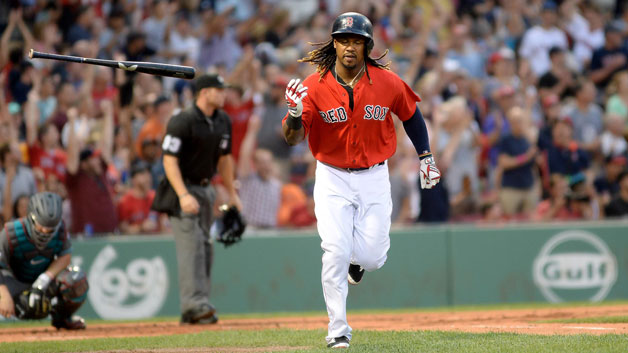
91,201
239,115
51,161
135,210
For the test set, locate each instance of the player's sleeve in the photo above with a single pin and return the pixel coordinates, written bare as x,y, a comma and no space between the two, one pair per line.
176,132
404,104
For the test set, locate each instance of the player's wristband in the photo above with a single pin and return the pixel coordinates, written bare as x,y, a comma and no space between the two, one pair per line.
294,123
425,155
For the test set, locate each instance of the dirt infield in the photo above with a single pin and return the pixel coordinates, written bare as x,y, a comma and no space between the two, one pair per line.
516,320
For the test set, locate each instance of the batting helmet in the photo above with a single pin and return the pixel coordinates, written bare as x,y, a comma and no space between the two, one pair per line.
354,23
44,209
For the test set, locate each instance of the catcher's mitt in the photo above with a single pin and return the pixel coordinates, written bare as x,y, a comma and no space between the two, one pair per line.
230,227
32,304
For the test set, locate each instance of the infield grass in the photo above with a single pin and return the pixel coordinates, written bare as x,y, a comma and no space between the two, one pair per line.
364,341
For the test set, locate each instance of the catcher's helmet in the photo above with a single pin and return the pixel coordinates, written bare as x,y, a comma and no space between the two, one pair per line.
45,209
354,23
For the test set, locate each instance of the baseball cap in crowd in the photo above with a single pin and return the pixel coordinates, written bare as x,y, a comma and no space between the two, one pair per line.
88,153
555,50
161,99
613,27
618,160
502,54
139,167
549,6
550,100
208,81
505,91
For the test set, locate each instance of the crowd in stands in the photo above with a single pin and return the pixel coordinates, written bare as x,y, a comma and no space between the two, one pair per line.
526,104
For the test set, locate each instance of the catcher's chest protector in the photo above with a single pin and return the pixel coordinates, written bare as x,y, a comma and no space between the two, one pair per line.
26,261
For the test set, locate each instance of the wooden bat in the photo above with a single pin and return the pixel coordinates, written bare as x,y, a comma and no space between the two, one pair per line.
158,69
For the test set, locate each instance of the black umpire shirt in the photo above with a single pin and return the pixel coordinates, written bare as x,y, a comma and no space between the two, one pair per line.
198,141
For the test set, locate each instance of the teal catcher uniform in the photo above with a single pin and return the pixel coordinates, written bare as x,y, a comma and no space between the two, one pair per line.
32,250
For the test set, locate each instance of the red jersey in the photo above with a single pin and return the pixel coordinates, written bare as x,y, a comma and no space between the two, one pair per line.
134,210
51,162
239,115
362,136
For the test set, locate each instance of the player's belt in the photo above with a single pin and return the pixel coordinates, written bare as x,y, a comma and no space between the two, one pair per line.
351,170
203,182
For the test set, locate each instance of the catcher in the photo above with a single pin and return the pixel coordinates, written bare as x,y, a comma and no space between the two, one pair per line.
36,279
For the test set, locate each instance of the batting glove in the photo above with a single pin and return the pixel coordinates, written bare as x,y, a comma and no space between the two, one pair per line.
429,174
295,92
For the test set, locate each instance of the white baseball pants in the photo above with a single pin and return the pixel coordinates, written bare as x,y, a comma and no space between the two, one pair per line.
353,215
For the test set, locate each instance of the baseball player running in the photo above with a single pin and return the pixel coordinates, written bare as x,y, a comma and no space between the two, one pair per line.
345,110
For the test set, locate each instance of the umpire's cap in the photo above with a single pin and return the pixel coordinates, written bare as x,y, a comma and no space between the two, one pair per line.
207,81
354,23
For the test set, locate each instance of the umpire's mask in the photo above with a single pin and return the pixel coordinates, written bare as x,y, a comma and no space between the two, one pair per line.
43,219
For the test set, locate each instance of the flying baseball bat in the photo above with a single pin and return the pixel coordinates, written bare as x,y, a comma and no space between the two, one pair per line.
178,71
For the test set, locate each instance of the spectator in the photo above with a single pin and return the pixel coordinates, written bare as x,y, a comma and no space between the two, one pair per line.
610,59
495,125
538,40
586,29
219,45
134,213
586,116
260,189
559,79
612,141
80,30
270,136
557,207
456,140
154,128
551,111
503,67
16,180
618,207
112,39
516,161
607,184
617,91
89,191
46,155
565,157
157,25
465,52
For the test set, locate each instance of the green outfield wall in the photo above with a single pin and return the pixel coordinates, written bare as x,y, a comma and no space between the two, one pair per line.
135,277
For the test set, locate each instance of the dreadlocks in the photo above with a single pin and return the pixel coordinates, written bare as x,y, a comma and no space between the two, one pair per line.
324,57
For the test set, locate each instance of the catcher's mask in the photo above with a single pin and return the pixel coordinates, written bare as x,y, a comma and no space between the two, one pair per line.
354,23
43,219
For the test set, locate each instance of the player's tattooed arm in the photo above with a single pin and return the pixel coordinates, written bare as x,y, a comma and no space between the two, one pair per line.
293,136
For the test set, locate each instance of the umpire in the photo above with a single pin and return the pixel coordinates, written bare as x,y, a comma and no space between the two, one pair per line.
196,145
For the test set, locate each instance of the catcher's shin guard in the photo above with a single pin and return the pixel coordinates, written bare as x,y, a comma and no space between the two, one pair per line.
71,292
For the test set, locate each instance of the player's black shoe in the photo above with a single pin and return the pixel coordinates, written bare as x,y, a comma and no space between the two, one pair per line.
205,314
74,322
339,342
355,274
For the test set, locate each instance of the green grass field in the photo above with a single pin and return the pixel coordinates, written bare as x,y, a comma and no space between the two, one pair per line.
364,341
287,340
